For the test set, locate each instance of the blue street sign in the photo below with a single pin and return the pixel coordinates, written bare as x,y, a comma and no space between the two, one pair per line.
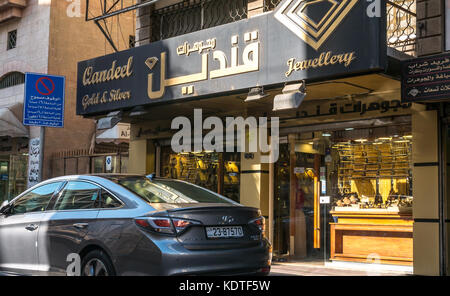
44,100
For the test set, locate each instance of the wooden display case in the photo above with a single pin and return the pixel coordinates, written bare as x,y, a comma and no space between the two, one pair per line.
372,235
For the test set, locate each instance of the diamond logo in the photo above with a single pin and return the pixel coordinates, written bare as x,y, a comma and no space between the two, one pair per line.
313,20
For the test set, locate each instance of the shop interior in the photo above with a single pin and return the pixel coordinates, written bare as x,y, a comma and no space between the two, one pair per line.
366,172
13,167
218,172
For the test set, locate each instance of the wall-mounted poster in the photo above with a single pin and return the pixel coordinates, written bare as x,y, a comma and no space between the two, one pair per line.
33,162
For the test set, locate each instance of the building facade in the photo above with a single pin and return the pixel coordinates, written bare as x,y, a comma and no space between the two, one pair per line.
353,137
48,37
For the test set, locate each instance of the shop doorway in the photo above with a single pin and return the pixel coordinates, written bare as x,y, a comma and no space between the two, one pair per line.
297,215
4,176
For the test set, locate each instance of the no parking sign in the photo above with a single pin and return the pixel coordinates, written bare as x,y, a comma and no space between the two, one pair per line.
44,100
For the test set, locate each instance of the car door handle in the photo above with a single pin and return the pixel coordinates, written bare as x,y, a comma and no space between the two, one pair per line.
31,227
81,225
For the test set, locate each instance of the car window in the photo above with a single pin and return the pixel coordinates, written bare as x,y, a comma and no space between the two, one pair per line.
169,191
109,201
35,200
78,195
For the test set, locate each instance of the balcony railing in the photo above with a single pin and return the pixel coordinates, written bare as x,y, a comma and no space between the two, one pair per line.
401,23
194,15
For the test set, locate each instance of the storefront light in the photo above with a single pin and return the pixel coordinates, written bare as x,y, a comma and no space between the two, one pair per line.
255,93
401,141
110,121
385,139
291,98
349,129
361,140
326,135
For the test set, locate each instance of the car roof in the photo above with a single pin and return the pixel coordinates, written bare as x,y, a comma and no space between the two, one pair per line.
108,176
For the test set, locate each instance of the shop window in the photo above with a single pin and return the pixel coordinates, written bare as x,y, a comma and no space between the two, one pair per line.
4,176
374,174
232,169
193,15
12,40
218,172
367,175
12,79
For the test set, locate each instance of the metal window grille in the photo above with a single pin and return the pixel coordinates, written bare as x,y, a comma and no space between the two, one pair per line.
194,15
270,5
11,79
131,41
12,40
401,25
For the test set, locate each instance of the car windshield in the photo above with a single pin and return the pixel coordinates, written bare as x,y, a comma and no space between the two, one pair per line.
169,191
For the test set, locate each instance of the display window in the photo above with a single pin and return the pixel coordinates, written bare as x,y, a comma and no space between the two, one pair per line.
218,172
374,174
364,177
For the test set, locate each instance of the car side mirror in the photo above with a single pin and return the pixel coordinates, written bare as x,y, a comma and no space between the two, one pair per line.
4,207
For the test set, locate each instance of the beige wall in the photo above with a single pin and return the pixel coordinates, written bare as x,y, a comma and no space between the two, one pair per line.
72,39
254,191
425,191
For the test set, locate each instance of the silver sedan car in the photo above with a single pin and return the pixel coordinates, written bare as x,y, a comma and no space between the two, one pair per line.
129,225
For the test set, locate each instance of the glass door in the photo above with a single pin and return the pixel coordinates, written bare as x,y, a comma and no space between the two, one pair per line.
306,171
282,204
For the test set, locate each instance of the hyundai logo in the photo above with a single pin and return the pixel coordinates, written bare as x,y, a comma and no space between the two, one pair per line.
226,220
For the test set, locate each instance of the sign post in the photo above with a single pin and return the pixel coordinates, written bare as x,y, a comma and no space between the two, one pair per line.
43,107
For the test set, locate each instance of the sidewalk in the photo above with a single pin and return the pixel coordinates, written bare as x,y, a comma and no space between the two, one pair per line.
320,269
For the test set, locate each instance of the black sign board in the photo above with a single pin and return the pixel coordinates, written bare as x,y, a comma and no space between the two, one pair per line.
311,40
426,79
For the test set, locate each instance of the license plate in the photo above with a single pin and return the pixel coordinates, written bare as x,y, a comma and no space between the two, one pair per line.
224,231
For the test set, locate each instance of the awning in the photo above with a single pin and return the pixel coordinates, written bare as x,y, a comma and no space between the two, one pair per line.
10,125
118,134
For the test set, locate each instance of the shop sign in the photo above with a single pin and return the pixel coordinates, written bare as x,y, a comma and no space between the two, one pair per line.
358,108
299,170
300,40
324,200
323,180
426,79
108,163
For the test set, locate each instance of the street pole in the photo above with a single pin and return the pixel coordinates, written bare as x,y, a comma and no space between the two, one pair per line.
41,153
